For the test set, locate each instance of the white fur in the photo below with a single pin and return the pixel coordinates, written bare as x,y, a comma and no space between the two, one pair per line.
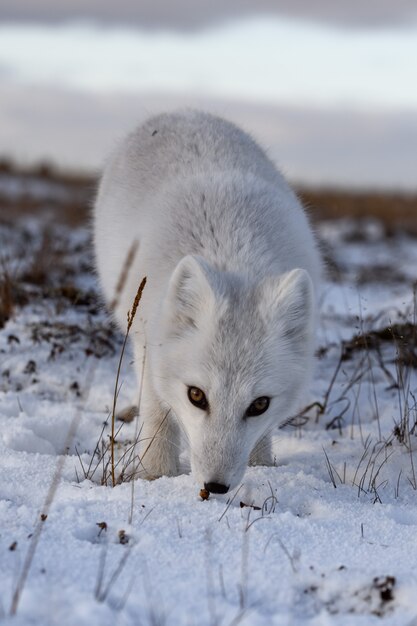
232,268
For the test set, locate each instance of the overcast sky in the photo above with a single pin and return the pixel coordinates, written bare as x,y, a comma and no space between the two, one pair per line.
265,60
331,92
198,13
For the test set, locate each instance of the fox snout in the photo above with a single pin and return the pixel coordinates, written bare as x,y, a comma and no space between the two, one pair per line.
213,487
217,475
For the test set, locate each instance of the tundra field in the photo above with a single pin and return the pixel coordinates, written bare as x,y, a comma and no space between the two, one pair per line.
327,537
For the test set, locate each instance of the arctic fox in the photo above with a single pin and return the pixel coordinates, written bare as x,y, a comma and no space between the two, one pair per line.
228,313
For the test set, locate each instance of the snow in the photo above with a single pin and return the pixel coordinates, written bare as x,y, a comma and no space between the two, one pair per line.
334,540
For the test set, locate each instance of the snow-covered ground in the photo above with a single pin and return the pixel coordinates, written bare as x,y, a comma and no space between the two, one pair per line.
334,540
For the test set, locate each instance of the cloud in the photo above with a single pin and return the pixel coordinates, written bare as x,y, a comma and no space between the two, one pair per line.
313,146
270,60
186,14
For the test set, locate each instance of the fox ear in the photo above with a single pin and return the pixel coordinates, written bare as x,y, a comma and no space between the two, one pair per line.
287,303
190,293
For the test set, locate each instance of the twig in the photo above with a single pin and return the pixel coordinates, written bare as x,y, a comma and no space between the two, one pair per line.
230,503
130,317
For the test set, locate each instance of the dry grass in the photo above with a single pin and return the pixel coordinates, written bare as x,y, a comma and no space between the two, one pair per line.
71,206
387,353
394,210
6,296
130,317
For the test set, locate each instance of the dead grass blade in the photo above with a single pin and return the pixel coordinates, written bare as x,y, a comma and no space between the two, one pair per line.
130,317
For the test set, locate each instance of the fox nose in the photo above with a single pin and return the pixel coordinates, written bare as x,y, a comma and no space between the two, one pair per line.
216,487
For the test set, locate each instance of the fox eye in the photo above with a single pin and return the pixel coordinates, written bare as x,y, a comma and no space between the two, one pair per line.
258,406
198,398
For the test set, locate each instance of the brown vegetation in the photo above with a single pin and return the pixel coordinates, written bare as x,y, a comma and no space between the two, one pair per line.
394,209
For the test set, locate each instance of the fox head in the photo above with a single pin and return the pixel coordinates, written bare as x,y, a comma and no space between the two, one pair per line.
233,358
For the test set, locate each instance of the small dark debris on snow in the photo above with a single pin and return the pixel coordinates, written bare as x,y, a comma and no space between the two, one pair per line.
102,526
30,367
13,546
251,506
75,387
100,340
123,538
385,586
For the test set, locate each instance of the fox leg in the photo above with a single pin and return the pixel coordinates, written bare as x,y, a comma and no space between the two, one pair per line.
159,436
